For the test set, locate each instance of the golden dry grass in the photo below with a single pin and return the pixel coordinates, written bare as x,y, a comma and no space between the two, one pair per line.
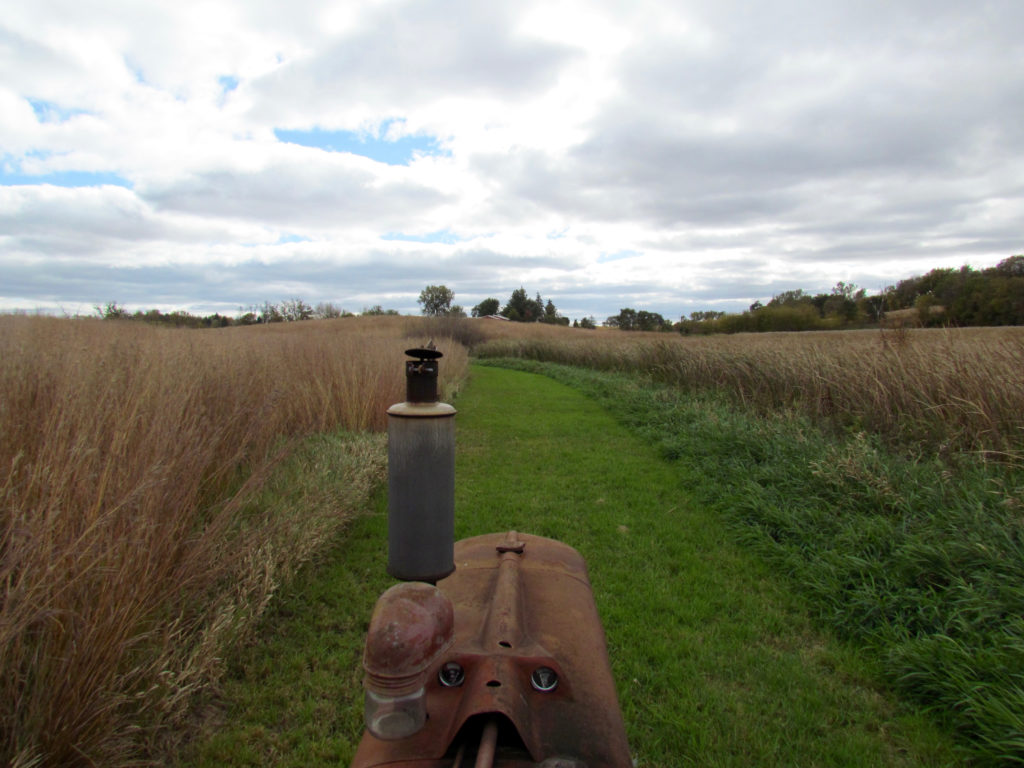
128,557
948,389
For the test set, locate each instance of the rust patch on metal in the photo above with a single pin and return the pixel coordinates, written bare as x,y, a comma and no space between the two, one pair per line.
522,603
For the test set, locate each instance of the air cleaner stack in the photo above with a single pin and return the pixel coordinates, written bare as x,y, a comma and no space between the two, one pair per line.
421,476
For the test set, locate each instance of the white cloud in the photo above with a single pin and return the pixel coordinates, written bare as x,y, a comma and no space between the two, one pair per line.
736,149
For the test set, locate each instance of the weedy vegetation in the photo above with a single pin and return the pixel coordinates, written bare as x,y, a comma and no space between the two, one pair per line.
883,473
161,487
930,389
131,556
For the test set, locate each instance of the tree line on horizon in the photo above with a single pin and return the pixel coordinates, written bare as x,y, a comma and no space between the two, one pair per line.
437,300
941,297
945,296
286,311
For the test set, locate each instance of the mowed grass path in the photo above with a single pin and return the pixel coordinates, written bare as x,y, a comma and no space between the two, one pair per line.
715,659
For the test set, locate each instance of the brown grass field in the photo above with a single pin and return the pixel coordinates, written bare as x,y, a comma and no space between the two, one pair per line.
128,453
943,390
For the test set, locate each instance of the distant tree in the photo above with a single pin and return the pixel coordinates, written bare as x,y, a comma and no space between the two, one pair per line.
486,308
456,311
588,323
216,320
903,294
269,313
624,321
377,309
705,316
436,300
112,311
788,297
550,312
294,310
842,304
326,310
651,321
926,307
521,308
1011,267
873,307
846,290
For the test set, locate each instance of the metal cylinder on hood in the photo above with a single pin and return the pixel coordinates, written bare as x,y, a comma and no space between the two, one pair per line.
421,476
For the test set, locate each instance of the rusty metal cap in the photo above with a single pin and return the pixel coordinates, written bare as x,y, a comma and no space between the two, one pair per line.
412,624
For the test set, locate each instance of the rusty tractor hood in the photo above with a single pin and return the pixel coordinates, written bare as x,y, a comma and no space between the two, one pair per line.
535,687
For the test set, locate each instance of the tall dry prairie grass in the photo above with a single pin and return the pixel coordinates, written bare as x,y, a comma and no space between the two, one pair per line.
951,390
128,558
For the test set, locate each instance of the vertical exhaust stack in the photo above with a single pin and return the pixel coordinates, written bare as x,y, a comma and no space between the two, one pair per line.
421,476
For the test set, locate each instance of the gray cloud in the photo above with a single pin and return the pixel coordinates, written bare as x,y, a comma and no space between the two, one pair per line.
311,188
788,94
407,53
93,222
739,149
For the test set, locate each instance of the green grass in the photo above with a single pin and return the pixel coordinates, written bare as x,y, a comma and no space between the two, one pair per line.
917,562
716,662
716,659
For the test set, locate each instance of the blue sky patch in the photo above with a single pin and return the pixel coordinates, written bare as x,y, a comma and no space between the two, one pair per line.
377,147
13,175
49,112
291,237
227,83
440,236
63,179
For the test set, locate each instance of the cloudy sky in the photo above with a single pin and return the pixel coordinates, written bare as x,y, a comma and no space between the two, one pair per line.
669,156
